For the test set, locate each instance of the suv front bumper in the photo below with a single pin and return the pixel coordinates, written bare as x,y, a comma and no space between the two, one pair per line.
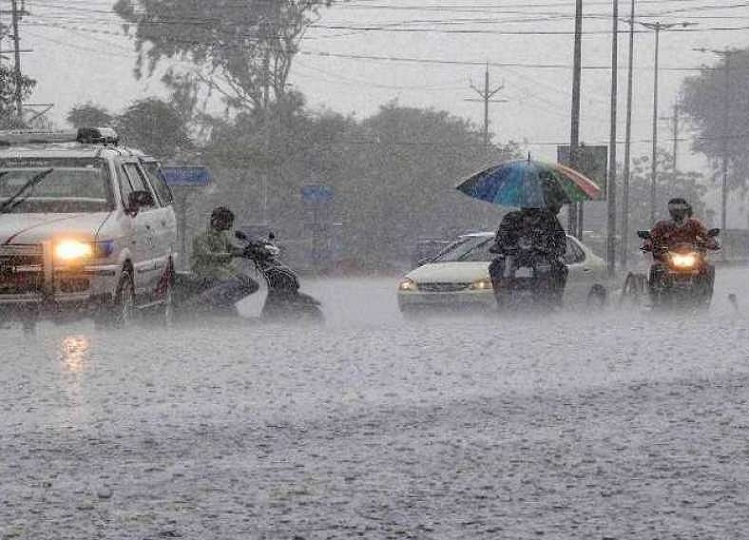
31,283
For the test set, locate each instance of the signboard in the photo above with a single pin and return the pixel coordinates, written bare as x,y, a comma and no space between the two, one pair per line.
592,161
187,176
317,193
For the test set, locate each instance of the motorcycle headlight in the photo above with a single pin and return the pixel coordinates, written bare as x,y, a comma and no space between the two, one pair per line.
687,260
407,284
483,284
73,251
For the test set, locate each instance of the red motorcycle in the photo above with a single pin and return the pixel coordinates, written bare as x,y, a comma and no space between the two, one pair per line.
681,275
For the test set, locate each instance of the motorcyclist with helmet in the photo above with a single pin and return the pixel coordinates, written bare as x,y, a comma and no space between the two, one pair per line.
213,256
541,230
681,228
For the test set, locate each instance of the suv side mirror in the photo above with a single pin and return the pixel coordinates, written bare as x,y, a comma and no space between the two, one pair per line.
713,233
138,199
643,234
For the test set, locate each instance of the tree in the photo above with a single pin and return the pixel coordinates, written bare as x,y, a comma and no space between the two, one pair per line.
687,184
155,127
8,114
88,114
250,44
717,102
399,185
392,175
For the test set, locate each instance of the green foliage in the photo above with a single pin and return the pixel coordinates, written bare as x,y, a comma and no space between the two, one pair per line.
393,175
154,126
8,117
88,114
717,102
686,184
250,44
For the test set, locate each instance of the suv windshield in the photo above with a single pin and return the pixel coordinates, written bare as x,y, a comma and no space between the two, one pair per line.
468,248
66,186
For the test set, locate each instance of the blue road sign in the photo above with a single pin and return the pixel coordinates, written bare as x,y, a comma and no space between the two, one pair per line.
317,193
187,176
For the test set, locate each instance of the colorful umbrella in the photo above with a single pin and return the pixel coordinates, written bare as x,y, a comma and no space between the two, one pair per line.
530,184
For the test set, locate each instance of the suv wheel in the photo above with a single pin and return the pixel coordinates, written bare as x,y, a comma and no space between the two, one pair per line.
120,313
167,308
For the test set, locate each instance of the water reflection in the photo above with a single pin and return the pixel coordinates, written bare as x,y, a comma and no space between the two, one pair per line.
74,349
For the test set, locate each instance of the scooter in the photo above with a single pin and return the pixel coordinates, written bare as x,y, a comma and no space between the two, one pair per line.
678,273
284,300
527,279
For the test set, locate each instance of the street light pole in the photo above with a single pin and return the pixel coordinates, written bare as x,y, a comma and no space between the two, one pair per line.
624,245
653,164
657,27
573,224
611,184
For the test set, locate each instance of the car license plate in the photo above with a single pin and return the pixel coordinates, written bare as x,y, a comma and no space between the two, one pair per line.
524,272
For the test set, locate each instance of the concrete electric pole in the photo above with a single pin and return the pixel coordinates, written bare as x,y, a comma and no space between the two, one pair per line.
611,184
575,224
486,97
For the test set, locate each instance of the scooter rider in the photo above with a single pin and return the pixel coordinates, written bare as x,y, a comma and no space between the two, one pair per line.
540,227
212,260
681,228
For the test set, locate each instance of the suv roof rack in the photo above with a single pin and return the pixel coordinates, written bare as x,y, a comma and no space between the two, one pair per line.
85,135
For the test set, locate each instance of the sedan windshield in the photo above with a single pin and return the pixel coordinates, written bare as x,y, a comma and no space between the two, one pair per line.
468,248
63,186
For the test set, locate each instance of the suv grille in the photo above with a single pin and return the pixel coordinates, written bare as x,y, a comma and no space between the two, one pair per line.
20,268
443,287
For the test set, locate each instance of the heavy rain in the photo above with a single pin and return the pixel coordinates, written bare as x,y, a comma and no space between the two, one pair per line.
375,269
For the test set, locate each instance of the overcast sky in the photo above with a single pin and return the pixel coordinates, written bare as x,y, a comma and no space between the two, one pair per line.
437,50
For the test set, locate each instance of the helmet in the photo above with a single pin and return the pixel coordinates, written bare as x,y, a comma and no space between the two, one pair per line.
222,218
679,209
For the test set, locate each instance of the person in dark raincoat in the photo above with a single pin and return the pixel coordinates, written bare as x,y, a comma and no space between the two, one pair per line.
541,228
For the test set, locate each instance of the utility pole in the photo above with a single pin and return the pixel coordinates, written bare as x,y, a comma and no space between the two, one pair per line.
624,244
611,184
726,131
675,127
676,136
654,158
574,224
17,50
486,95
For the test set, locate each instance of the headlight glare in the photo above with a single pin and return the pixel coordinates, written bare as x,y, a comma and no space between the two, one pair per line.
482,284
408,284
73,250
688,260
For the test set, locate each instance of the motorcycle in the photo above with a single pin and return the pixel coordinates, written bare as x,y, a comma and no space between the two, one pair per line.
681,275
527,277
284,301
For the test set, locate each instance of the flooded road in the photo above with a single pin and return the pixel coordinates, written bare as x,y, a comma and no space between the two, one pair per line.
618,425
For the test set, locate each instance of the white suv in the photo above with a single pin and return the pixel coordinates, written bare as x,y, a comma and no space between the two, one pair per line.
87,228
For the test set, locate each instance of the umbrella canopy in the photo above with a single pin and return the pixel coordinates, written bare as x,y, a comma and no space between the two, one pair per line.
530,184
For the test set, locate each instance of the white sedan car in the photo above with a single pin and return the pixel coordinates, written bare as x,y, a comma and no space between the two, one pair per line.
458,277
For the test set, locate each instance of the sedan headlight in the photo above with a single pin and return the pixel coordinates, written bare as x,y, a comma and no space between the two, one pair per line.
73,251
408,284
483,284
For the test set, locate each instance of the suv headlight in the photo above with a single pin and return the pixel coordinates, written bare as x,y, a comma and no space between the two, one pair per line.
73,250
